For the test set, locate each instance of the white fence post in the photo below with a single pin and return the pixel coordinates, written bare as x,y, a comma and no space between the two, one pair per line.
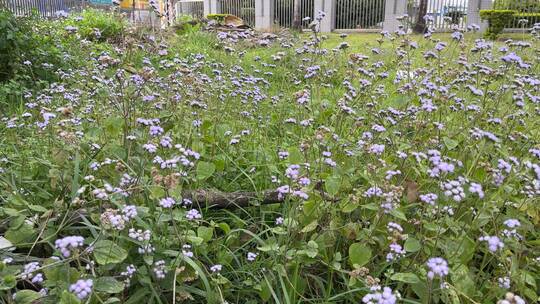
392,10
473,13
264,14
328,23
211,7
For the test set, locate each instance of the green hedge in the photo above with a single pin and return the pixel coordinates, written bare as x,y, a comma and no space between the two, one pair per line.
531,18
522,6
217,17
500,19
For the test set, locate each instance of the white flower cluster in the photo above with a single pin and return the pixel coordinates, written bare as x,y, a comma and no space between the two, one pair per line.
67,244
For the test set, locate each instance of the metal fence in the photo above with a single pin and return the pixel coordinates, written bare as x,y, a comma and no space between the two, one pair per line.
444,13
44,8
345,15
360,14
526,10
244,9
193,8
284,12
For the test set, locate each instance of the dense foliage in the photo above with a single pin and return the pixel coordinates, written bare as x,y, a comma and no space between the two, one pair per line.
497,20
98,25
20,46
521,6
401,169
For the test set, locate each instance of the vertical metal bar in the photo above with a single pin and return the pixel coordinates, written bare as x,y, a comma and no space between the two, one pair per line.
372,9
372,13
351,6
338,14
360,7
339,4
356,10
351,19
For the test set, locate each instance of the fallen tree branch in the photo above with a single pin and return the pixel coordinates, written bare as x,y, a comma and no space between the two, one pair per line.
241,199
218,199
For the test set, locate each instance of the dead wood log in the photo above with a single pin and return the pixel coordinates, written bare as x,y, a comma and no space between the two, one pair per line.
223,200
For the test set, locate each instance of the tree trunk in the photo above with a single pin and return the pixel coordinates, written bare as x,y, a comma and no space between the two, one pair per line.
420,26
297,20
133,10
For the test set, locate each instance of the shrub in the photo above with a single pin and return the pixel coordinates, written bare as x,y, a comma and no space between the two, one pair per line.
531,18
373,13
24,51
187,24
110,25
498,20
12,42
217,17
529,6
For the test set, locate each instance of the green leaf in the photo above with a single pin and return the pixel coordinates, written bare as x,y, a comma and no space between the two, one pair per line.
205,233
450,143
421,290
225,227
22,234
528,278
332,185
58,273
68,298
269,247
295,156
348,206
26,296
156,192
109,285
462,280
412,245
469,247
313,244
405,277
531,294
113,126
107,252
37,208
399,214
311,252
139,296
310,227
359,254
7,281
195,240
205,170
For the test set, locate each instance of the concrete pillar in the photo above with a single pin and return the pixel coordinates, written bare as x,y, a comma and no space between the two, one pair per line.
328,23
473,13
264,14
211,7
392,10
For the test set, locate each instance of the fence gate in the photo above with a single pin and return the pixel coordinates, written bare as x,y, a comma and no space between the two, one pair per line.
360,14
193,8
284,12
445,13
244,9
